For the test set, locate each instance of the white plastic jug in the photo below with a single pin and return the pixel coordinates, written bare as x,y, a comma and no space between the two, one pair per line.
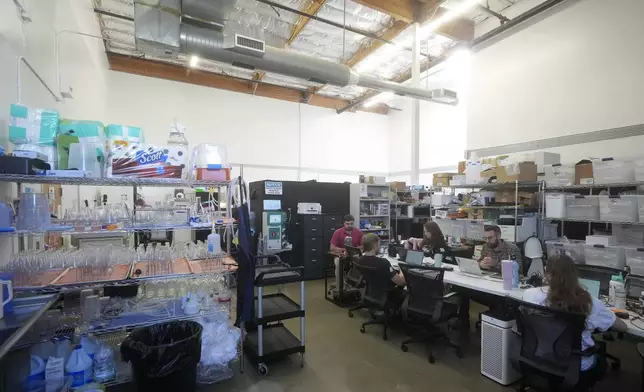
79,367
214,243
3,300
89,345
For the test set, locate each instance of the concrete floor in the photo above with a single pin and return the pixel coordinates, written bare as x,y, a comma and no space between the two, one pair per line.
341,359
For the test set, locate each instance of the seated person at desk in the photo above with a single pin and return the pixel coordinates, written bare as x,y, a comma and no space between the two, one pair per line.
346,235
371,247
432,243
495,250
565,293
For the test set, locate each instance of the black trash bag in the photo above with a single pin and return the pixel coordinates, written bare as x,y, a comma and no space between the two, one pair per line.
164,356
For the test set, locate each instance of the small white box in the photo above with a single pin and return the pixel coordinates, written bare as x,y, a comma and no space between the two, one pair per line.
309,208
606,240
582,207
441,200
473,172
555,205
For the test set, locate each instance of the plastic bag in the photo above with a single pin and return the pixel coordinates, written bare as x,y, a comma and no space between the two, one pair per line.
163,348
219,347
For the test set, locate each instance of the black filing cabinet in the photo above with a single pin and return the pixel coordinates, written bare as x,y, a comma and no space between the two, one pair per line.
312,246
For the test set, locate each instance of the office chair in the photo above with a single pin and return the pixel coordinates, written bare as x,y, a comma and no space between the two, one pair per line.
425,307
353,276
603,275
381,295
549,356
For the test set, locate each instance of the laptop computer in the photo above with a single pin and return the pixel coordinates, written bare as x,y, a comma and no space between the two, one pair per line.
471,267
414,257
592,286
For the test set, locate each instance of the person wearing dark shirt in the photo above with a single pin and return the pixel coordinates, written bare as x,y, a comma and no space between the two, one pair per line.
496,250
432,243
371,247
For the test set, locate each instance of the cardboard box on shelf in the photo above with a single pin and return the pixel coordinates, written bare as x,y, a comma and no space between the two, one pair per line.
522,171
487,174
461,167
479,213
584,172
527,199
458,180
375,180
400,186
442,179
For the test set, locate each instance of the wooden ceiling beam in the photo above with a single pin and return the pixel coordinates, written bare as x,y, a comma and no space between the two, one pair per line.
399,9
302,21
372,45
178,73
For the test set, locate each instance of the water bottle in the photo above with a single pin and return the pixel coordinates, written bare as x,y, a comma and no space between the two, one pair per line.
438,258
89,345
104,366
214,243
79,367
515,271
63,348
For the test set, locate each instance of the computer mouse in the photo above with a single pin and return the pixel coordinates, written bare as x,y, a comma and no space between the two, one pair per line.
621,314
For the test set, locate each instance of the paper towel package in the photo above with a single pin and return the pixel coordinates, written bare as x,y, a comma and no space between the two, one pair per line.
123,135
32,126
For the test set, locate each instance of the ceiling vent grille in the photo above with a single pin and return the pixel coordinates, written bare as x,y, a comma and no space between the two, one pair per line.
245,45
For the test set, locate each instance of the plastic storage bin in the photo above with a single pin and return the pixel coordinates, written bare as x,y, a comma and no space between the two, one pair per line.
555,205
445,225
605,256
640,208
574,249
459,228
610,171
618,208
635,260
638,168
582,207
209,162
559,175
634,286
475,229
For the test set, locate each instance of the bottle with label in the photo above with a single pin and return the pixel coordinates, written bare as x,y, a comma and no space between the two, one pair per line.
63,348
348,241
214,243
438,258
616,281
515,271
79,367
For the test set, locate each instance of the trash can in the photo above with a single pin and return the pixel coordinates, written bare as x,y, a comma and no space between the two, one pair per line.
164,356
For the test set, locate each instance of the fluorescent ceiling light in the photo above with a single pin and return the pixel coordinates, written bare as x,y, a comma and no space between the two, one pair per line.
194,60
382,97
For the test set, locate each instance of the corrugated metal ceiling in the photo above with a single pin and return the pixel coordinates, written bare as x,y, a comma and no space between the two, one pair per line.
259,20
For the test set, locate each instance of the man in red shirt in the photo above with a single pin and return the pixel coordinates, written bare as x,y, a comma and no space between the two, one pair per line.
346,235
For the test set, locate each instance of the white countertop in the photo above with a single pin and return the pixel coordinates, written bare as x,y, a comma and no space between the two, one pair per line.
495,287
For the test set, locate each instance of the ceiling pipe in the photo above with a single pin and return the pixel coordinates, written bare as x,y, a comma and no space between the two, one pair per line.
476,44
22,60
488,11
112,14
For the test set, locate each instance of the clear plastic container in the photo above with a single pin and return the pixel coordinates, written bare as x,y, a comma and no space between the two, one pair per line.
574,249
635,260
459,228
634,286
475,229
638,168
640,208
582,207
559,175
445,225
555,205
618,208
611,171
605,256
177,140
209,162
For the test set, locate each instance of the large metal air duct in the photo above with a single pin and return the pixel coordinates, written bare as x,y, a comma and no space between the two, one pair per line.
210,43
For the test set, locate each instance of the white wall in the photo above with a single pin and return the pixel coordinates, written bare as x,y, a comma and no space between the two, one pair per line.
577,71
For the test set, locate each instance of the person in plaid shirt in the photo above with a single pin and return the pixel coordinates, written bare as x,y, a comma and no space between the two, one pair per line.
495,250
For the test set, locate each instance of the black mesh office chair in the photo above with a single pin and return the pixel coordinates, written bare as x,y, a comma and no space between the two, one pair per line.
603,275
353,276
425,308
549,356
381,296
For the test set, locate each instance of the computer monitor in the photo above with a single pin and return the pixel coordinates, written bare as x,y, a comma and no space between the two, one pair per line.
414,257
592,286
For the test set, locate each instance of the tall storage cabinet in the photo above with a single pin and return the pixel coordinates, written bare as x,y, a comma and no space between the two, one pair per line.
370,206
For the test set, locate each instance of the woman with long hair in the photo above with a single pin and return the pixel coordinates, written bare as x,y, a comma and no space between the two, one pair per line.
564,292
432,243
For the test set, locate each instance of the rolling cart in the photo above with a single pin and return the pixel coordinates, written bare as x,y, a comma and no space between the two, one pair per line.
268,339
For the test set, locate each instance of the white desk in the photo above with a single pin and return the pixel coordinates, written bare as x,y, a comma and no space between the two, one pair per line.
495,287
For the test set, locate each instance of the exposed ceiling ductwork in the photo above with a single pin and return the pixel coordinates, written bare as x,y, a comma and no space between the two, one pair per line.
167,28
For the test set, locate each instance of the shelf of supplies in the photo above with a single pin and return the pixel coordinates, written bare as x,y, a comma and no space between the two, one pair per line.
504,207
375,230
112,181
277,307
374,199
502,185
594,186
595,221
117,232
373,216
